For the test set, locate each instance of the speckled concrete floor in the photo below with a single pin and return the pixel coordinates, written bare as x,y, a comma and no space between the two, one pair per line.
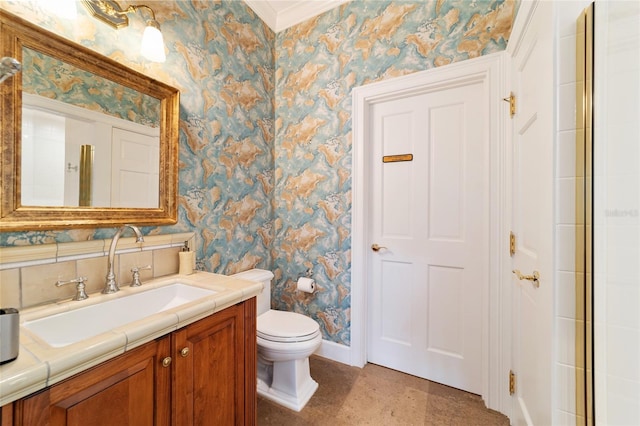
376,395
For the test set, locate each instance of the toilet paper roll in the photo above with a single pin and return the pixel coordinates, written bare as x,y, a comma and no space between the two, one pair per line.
308,285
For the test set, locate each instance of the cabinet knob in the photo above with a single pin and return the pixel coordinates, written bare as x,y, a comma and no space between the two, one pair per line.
166,362
184,352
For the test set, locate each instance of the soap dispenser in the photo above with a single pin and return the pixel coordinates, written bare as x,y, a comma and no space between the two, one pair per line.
187,260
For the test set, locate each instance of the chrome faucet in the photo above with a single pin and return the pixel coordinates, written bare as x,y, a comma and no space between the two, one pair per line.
111,286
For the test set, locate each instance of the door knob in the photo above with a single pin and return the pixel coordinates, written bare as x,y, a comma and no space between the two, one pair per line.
534,278
377,248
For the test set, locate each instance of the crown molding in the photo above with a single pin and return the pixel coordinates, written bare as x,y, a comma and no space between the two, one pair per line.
264,10
292,15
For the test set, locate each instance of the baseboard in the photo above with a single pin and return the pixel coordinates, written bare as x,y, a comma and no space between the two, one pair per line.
335,352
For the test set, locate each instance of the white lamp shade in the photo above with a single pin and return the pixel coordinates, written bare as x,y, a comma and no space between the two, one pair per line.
153,44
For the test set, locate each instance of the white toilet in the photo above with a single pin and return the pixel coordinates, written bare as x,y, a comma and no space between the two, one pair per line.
285,342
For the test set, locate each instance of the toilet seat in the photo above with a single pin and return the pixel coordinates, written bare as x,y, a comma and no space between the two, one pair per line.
285,327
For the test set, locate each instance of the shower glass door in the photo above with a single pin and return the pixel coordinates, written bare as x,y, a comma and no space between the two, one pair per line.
616,213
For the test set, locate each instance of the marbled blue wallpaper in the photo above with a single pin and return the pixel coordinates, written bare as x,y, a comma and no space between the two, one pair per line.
265,125
318,63
54,79
220,57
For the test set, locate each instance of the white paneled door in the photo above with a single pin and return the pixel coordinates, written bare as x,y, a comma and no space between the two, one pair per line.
135,165
532,219
429,219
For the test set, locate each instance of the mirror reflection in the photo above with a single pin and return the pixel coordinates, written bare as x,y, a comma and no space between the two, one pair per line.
102,145
86,140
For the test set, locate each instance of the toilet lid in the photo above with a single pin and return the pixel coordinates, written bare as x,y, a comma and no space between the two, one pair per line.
281,325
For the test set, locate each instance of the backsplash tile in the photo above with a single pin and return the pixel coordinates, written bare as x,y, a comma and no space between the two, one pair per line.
32,282
165,261
128,261
10,288
38,283
95,270
25,254
81,248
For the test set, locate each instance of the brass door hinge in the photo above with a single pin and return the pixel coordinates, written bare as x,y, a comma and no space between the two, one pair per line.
512,243
512,382
512,104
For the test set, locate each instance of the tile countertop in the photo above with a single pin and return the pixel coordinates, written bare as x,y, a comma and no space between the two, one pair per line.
39,365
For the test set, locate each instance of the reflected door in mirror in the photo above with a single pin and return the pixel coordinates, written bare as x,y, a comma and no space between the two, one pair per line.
125,170
82,79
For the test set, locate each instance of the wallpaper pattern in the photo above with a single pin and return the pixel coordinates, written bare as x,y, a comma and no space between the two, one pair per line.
265,125
318,63
54,79
220,57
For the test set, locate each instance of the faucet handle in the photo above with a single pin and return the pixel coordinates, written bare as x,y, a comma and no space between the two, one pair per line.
81,294
135,271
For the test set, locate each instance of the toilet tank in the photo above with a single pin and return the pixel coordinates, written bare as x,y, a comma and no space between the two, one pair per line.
263,276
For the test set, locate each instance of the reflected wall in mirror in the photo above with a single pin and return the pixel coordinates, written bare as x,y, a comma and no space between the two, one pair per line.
126,162
53,78
69,97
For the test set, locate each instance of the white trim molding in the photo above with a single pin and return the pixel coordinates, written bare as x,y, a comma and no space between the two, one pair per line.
490,71
290,13
57,107
334,351
520,24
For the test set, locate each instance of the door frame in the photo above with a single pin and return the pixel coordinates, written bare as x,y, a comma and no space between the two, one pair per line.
520,26
491,72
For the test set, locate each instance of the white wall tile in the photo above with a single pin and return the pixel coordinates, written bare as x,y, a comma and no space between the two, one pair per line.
567,376
567,15
569,168
622,402
567,237
567,106
567,419
623,352
622,305
567,292
569,337
569,159
567,59
568,201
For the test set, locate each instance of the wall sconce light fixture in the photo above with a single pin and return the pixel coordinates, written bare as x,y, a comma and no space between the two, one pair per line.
110,12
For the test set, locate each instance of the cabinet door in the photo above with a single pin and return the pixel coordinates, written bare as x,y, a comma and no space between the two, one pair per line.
132,389
208,385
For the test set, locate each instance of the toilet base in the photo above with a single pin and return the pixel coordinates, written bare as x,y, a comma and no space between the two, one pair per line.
287,383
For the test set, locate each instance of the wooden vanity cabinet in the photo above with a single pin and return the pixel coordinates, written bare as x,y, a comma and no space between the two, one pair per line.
214,381
131,389
211,380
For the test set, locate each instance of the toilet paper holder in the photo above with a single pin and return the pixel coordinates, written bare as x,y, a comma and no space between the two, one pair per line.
306,285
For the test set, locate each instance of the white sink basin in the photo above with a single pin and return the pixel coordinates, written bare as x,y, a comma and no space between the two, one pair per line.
73,326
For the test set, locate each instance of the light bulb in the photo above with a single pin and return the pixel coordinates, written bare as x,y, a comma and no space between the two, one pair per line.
153,43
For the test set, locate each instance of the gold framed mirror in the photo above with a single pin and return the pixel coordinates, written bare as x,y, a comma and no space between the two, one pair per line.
18,211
